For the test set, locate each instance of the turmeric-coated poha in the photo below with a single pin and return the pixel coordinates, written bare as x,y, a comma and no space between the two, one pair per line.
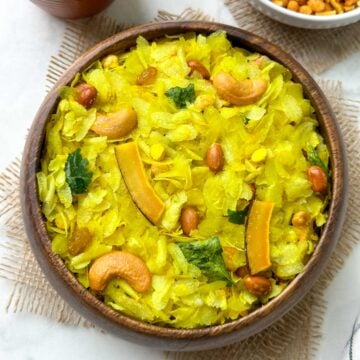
156,159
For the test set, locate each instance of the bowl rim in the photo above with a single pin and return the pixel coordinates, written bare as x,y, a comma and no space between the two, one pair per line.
311,18
142,332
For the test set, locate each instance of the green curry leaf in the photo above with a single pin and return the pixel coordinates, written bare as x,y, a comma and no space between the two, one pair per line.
77,174
237,216
314,159
207,256
182,96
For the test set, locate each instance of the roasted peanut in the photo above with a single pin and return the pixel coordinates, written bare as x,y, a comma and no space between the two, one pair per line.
317,178
195,65
257,285
319,7
305,9
239,92
328,7
79,241
119,264
147,77
316,5
110,62
280,2
189,220
302,222
301,219
215,157
86,94
242,271
115,125
293,5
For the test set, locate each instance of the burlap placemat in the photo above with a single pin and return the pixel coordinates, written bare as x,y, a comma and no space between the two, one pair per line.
317,50
295,336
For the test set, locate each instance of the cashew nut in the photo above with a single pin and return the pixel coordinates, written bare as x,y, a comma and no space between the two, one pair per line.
115,125
239,92
123,265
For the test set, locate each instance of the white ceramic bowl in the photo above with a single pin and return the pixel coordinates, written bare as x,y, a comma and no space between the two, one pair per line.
292,18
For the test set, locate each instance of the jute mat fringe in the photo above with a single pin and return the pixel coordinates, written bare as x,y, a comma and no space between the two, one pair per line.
187,14
295,336
317,50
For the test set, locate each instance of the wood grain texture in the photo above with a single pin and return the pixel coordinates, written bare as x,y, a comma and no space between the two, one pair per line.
72,9
163,337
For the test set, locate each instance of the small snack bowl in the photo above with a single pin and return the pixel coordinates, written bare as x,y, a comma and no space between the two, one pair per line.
300,20
51,241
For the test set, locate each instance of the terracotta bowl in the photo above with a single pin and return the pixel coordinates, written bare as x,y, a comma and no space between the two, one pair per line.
72,9
164,337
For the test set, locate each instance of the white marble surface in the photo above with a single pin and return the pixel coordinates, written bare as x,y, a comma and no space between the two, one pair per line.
28,37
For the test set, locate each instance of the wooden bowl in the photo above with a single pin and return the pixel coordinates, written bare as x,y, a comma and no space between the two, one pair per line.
164,337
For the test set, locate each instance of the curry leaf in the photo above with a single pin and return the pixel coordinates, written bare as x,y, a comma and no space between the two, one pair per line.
207,256
314,159
77,174
237,216
182,96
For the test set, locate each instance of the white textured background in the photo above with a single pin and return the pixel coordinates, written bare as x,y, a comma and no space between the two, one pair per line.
28,37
